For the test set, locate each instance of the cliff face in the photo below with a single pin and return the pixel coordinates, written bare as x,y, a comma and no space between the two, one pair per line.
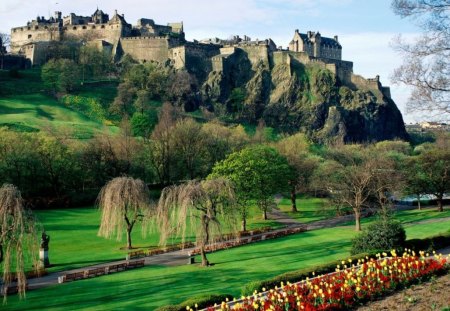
292,96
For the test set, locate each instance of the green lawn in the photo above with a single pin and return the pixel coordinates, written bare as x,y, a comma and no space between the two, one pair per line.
154,286
34,112
309,209
73,235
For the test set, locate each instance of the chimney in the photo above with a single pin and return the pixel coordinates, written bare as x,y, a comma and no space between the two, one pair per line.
336,38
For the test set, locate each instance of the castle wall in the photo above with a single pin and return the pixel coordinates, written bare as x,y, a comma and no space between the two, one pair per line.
196,58
28,34
257,54
109,33
147,48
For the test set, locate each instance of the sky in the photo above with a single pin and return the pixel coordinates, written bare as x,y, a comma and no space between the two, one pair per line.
365,28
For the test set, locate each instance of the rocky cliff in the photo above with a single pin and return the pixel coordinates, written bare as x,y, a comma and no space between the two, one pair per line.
291,96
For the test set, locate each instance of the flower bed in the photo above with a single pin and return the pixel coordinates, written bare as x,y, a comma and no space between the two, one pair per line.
346,287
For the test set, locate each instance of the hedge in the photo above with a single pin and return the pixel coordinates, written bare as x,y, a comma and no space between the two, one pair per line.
202,301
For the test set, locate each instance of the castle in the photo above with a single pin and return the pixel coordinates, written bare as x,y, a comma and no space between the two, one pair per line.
148,41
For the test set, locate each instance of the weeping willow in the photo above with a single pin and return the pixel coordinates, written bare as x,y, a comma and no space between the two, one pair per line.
18,239
204,208
123,202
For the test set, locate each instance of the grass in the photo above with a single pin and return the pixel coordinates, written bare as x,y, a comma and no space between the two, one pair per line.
73,235
153,286
309,209
34,112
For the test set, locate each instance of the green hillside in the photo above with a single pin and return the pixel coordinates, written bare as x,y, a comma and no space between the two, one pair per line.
25,107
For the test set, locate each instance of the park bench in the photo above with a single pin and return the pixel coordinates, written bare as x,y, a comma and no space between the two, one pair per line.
135,254
72,277
117,268
135,264
95,272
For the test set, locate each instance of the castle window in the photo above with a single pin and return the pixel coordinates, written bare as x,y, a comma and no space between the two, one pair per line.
28,28
74,28
36,27
103,26
84,27
29,36
14,30
93,27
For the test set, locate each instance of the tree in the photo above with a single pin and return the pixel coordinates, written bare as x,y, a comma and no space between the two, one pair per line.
354,175
4,43
18,238
416,179
296,150
123,202
426,61
189,142
162,155
258,173
435,163
60,75
205,207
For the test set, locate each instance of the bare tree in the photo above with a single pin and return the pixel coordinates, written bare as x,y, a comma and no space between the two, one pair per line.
162,156
18,238
123,202
204,207
5,40
426,60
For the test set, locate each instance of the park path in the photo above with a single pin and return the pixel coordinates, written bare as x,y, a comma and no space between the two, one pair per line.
181,257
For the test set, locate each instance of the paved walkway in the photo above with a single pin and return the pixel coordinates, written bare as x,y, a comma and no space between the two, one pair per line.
181,257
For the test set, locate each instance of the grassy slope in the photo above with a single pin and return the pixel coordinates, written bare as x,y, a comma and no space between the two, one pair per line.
24,107
154,286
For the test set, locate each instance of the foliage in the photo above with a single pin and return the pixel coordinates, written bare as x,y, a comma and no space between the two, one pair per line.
60,75
435,166
18,238
296,150
90,107
143,124
258,173
426,60
429,244
356,176
382,235
123,201
207,205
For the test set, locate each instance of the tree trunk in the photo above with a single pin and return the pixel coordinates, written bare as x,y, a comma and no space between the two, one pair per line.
357,219
129,237
244,224
439,202
205,224
294,199
265,213
1,253
418,202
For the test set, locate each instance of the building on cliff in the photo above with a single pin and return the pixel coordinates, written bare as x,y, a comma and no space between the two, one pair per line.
148,41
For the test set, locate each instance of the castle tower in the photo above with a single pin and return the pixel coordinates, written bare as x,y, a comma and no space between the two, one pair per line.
317,41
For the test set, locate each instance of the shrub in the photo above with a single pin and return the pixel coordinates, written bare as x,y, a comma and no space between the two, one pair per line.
429,244
383,234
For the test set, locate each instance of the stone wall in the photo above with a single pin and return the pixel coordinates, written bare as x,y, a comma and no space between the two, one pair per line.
257,54
28,34
147,48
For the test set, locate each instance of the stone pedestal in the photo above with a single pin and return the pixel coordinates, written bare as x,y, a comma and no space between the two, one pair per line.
43,258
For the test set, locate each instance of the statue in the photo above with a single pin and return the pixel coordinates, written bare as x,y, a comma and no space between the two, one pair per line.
45,240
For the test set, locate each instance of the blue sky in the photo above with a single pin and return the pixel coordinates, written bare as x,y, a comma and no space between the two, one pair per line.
365,27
